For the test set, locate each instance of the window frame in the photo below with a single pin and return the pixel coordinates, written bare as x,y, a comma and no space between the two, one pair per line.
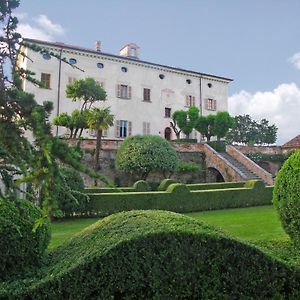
46,81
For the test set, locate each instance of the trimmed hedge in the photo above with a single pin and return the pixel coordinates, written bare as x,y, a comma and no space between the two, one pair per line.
181,201
21,246
157,255
286,196
165,183
215,185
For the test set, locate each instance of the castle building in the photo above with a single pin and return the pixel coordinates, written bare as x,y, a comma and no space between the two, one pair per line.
142,95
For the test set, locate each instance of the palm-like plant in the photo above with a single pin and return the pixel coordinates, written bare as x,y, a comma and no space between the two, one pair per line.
99,119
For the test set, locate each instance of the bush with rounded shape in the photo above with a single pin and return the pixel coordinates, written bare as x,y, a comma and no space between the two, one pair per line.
178,188
286,196
157,255
141,186
21,245
139,155
165,183
255,184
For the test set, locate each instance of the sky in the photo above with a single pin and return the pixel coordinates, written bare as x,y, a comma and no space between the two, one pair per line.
256,43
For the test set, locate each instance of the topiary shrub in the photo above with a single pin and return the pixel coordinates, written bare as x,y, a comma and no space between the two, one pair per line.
255,184
21,245
139,155
286,196
157,255
165,183
141,186
178,188
69,192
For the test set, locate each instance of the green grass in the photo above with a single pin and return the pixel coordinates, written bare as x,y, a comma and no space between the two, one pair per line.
252,224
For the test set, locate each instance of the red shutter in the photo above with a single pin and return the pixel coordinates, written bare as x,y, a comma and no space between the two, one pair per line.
129,128
129,92
118,90
187,101
194,103
117,129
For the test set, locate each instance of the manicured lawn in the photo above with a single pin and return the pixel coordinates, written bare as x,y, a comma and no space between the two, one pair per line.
259,223
254,224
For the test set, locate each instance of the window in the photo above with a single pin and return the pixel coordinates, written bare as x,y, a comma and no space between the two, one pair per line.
71,79
146,128
124,69
167,112
123,128
161,76
123,91
72,61
147,93
209,85
46,56
211,104
188,81
189,100
100,65
45,79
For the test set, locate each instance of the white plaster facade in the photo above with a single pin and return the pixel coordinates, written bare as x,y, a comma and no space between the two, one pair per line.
169,92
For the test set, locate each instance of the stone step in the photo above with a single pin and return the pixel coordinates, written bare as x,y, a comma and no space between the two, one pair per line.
239,166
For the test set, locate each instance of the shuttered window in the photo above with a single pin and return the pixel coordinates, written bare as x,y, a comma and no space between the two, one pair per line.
147,95
46,80
167,112
123,91
123,128
146,128
211,104
190,101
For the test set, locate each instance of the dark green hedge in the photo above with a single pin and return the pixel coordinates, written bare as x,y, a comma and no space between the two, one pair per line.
219,146
184,140
21,247
214,186
180,200
157,255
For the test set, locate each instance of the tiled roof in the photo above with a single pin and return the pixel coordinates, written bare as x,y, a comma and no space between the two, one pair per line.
72,47
293,143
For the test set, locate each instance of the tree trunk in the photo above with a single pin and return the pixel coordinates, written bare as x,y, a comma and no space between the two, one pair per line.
98,148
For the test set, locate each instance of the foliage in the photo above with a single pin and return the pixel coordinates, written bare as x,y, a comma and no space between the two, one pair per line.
286,196
205,125
219,146
86,90
99,119
261,157
215,186
188,167
33,162
69,192
180,258
22,244
190,141
165,183
223,122
141,186
140,155
250,132
185,120
196,200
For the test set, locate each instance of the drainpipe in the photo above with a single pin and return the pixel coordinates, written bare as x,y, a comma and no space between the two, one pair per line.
200,96
58,87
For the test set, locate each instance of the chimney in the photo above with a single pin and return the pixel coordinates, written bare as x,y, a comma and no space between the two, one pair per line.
130,50
98,46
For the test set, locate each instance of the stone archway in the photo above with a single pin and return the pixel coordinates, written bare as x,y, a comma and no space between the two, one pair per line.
213,175
168,133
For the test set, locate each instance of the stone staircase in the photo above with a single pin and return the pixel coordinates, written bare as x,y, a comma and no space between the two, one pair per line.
248,174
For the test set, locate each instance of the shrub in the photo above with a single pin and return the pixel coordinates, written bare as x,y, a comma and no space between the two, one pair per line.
158,255
141,186
165,183
178,188
219,146
215,185
185,140
69,192
21,246
286,196
185,167
139,155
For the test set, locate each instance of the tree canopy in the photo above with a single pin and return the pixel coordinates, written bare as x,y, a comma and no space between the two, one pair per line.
250,132
139,155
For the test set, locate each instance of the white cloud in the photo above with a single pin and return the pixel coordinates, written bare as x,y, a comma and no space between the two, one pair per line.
21,16
295,60
44,29
32,32
48,26
280,106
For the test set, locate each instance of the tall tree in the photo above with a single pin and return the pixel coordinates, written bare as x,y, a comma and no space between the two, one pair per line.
86,90
206,126
185,120
223,122
99,119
